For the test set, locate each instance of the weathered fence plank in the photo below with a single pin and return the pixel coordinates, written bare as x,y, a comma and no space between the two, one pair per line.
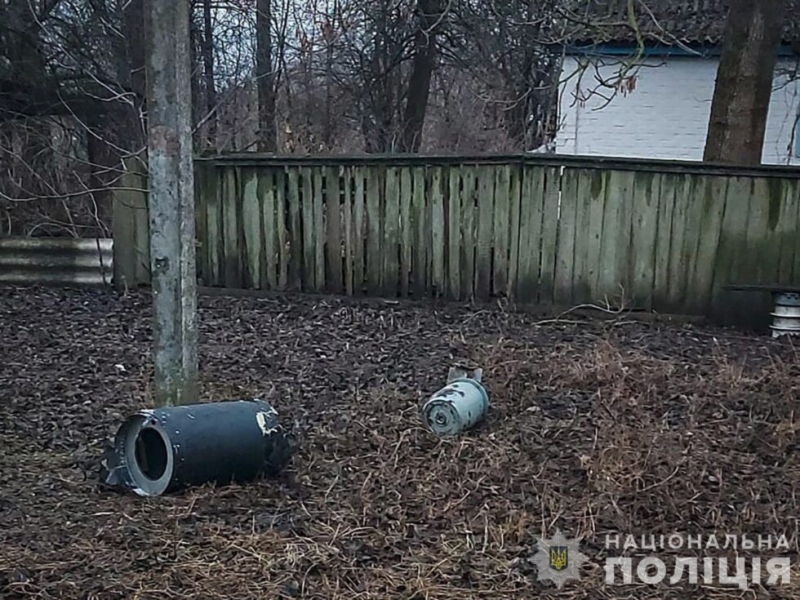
295,234
530,234
702,279
592,237
421,233
359,228
454,235
309,230
231,228
580,285
252,225
282,248
483,257
693,234
265,192
502,229
374,230
608,276
793,190
319,228
551,186
212,244
732,262
770,246
616,238
514,192
333,245
643,237
786,232
664,239
731,245
563,289
679,249
608,279
406,229
202,177
468,233
758,265
437,229
130,225
391,250
674,289
347,212
624,240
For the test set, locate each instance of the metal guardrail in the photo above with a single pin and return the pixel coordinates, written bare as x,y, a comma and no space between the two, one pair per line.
56,261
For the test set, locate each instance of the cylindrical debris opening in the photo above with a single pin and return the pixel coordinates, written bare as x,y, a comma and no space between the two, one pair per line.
151,454
146,452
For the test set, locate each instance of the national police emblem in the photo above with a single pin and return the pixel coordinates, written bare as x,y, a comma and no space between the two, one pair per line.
559,559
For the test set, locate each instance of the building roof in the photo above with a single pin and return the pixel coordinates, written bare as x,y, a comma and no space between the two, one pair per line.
671,22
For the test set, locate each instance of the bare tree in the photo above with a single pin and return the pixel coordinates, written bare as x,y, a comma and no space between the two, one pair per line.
265,78
207,45
430,16
306,76
744,82
511,48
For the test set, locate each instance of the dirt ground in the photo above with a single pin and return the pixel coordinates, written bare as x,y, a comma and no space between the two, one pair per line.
596,427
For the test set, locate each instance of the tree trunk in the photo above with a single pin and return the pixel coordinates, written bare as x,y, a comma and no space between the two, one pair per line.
198,108
133,73
171,201
265,78
26,86
104,162
208,74
744,82
419,84
531,121
327,132
22,43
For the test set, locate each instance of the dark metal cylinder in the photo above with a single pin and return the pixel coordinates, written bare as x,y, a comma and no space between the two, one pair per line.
166,449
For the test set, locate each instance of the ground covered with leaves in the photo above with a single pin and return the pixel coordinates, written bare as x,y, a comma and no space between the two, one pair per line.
596,427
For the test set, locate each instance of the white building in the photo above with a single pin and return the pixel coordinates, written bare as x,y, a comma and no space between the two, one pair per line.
664,110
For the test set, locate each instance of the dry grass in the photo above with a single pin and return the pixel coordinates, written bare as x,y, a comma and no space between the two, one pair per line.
594,428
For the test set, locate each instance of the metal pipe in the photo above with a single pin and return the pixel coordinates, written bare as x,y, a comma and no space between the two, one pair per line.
167,449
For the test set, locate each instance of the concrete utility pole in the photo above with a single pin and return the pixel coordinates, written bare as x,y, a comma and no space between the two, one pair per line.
172,231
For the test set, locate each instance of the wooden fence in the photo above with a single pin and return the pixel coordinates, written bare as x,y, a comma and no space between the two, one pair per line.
565,231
